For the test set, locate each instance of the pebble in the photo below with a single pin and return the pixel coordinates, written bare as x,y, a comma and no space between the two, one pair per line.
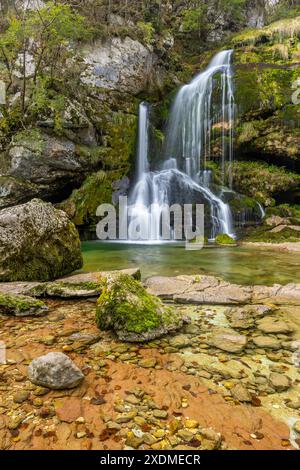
133,441
148,362
185,435
174,425
149,439
40,391
113,426
279,382
132,399
140,421
266,342
240,393
80,420
14,422
180,341
38,402
294,404
126,417
160,414
191,423
296,427
21,396
48,340
55,371
159,433
229,342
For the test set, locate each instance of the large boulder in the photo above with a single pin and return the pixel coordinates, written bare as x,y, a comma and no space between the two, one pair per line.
125,307
55,371
37,242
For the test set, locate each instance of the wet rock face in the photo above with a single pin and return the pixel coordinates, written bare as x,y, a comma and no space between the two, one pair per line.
37,242
37,164
55,371
133,314
14,191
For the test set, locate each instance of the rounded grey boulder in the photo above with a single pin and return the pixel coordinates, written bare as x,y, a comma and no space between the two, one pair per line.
55,371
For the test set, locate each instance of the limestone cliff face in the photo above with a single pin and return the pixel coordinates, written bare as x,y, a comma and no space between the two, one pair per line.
123,65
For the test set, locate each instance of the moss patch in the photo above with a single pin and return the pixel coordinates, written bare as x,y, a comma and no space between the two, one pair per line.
20,305
83,202
262,182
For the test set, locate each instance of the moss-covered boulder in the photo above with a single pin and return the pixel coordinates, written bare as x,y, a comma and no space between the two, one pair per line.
37,242
21,305
224,239
281,224
125,307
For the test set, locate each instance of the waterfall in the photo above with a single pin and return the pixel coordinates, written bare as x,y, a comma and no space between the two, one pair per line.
143,141
191,122
183,176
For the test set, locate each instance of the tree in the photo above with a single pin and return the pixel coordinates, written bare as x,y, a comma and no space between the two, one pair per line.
49,36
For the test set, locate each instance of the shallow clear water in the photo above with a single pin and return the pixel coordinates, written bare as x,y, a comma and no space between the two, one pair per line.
236,264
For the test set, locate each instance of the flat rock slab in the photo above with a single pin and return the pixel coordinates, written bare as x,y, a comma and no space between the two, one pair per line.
77,285
211,290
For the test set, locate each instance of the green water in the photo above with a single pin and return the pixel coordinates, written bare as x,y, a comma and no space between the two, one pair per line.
236,264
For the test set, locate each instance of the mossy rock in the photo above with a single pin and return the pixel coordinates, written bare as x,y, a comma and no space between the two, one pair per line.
224,239
67,290
265,234
21,306
284,210
262,182
125,307
37,243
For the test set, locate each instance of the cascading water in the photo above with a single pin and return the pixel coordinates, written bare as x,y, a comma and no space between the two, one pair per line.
183,174
192,118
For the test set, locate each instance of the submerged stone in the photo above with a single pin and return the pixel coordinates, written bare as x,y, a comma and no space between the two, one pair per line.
274,325
125,307
266,342
279,381
229,342
244,317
